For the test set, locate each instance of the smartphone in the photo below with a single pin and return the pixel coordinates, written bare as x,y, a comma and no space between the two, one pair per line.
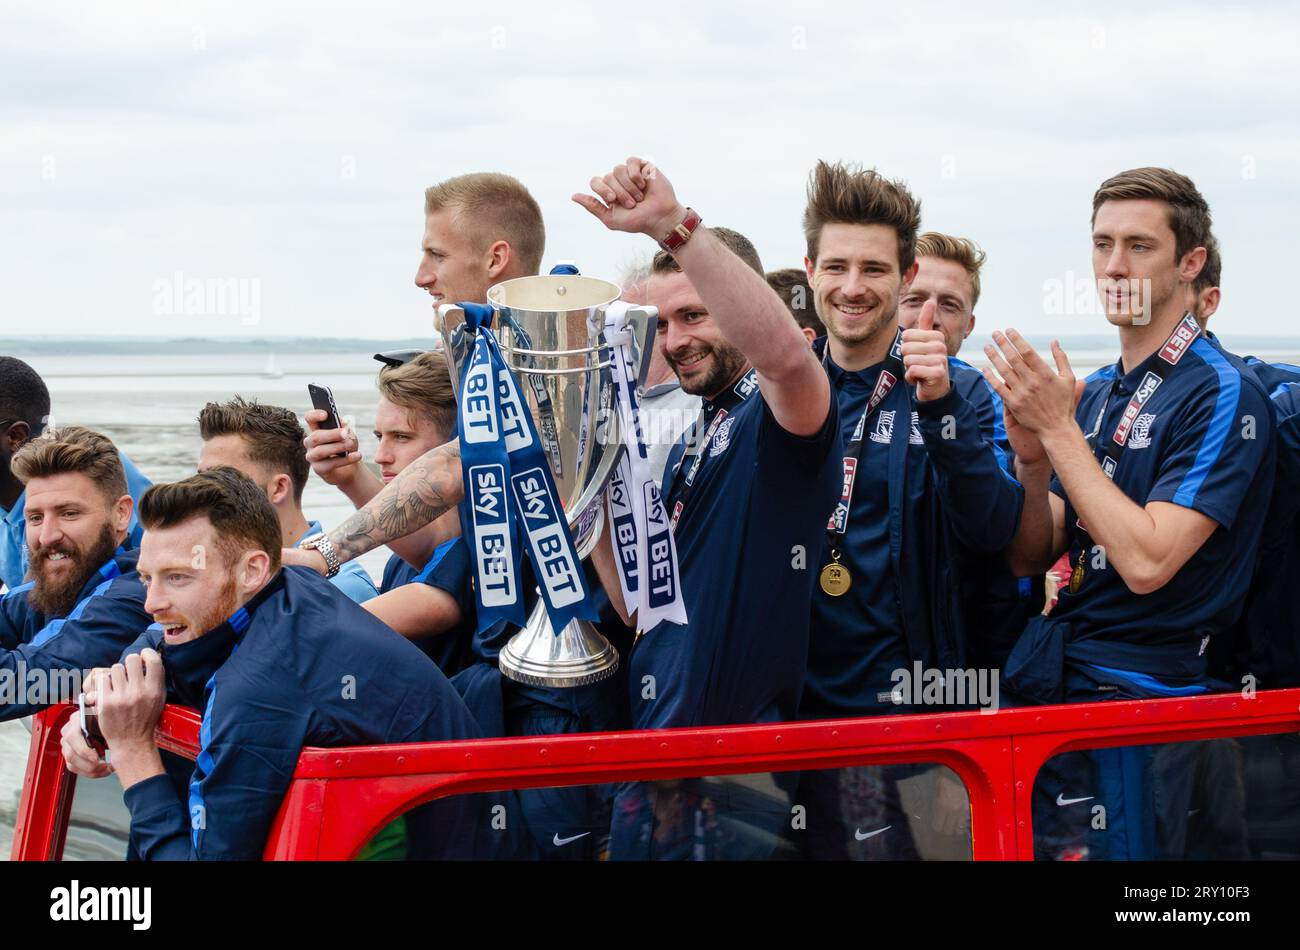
90,727
322,398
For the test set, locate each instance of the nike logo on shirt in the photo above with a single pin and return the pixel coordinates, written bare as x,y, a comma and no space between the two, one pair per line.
561,842
870,834
1070,801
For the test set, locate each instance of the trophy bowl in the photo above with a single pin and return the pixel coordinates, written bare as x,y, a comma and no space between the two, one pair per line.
550,330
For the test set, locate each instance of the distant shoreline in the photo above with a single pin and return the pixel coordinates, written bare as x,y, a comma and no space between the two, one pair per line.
145,346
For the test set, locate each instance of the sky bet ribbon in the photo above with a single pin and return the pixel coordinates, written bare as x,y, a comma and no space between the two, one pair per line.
642,536
487,514
496,421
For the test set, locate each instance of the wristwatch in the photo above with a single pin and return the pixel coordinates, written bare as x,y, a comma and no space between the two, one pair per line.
682,233
321,543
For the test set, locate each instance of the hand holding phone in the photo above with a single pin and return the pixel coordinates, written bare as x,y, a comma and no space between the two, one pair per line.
332,450
90,727
322,398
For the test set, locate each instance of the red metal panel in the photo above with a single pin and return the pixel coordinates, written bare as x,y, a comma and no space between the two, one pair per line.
340,797
42,825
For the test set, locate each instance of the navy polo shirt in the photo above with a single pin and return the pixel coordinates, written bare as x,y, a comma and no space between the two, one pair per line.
1204,440
747,542
856,640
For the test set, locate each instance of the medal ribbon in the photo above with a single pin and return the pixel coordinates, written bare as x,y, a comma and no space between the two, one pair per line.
726,401
890,373
1167,357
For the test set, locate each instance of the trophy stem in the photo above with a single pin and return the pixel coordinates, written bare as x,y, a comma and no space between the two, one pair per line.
577,656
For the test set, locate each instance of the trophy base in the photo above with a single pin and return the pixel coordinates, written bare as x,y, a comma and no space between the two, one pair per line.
578,656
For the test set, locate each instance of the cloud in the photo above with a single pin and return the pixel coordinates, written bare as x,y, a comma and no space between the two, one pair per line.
290,143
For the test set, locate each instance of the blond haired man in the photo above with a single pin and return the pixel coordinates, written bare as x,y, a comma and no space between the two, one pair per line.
427,600
948,272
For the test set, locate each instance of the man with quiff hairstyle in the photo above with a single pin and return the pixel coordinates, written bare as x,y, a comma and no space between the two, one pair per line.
923,493
265,442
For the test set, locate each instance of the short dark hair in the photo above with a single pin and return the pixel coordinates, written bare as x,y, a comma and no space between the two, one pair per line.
1212,272
239,511
423,386
791,285
1189,213
72,449
494,207
734,241
846,194
272,433
24,396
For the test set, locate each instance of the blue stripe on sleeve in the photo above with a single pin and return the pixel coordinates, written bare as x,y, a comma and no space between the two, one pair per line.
1216,434
51,629
20,589
204,763
1283,389
439,553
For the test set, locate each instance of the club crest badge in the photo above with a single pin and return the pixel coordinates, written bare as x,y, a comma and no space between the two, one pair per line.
721,438
1140,437
915,435
884,431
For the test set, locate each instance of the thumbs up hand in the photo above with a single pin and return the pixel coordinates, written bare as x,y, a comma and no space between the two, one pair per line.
925,357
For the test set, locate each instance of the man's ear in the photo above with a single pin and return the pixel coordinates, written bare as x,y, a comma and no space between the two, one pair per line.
910,274
970,327
1191,264
809,334
1209,304
281,487
499,257
809,265
16,436
254,570
120,516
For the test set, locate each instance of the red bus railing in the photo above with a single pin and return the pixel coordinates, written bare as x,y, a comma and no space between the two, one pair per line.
339,798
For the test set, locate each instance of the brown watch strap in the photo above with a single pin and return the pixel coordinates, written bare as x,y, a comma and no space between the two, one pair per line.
682,233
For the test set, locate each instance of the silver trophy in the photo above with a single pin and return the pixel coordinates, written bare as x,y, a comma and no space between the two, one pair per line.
550,330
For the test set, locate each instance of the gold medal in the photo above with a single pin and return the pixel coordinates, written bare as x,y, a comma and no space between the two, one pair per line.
835,579
1076,575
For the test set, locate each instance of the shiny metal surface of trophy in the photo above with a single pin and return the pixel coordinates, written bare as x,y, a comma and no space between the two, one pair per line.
550,330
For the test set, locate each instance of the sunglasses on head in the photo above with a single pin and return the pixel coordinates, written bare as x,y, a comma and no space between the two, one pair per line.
395,358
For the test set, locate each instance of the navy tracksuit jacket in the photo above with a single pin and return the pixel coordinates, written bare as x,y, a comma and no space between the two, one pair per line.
949,499
108,617
298,665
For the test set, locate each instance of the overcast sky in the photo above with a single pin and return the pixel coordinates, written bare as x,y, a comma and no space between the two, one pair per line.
286,146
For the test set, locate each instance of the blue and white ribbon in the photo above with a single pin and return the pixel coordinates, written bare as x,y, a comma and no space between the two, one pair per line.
644,549
487,515
510,454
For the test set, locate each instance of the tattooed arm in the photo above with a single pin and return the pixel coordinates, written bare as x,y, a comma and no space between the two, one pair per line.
418,495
